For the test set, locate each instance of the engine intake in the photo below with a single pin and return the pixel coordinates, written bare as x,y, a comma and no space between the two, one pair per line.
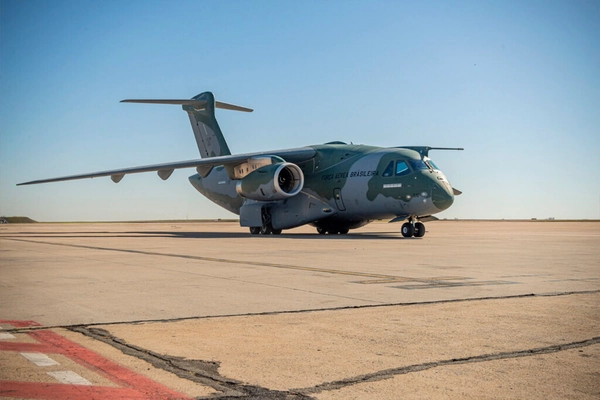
272,182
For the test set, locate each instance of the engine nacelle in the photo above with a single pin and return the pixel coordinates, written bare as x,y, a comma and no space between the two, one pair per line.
272,182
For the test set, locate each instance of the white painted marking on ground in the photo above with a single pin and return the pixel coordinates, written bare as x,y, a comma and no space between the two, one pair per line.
39,359
69,378
5,336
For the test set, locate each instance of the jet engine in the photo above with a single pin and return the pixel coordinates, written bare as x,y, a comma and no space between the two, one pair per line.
272,182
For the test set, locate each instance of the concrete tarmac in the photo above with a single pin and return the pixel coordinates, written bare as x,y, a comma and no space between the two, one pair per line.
475,309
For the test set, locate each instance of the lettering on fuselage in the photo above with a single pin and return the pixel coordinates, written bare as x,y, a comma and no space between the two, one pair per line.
392,185
353,174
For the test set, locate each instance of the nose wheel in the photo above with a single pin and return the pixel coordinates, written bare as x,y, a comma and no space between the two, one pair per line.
410,229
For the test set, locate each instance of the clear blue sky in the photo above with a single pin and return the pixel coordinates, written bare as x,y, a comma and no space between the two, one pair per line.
516,83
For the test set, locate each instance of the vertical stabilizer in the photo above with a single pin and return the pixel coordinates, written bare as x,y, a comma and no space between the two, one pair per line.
209,137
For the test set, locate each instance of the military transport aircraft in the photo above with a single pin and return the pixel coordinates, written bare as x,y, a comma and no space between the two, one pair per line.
334,186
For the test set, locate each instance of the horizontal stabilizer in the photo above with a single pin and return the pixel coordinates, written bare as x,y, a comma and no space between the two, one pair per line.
456,191
197,104
233,107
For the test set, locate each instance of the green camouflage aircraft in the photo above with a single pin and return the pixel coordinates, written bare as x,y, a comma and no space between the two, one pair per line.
334,186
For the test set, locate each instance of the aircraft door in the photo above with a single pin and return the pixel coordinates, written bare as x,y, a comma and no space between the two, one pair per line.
337,195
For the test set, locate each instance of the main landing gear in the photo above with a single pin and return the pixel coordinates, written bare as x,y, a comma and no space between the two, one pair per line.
265,230
267,227
413,228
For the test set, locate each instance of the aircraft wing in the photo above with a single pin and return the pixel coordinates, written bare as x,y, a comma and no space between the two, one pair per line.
206,164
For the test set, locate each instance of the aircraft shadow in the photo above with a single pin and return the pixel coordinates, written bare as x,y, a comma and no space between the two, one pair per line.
206,235
295,236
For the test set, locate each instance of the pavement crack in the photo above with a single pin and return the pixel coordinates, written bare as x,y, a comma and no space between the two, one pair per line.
303,311
199,371
206,372
390,373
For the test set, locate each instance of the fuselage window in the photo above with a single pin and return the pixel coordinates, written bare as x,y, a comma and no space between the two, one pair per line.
389,170
402,168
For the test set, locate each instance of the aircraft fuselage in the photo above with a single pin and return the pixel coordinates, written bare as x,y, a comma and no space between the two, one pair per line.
351,185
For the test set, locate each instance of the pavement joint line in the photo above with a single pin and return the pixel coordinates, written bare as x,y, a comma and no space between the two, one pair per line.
413,283
426,283
389,373
249,263
380,277
310,310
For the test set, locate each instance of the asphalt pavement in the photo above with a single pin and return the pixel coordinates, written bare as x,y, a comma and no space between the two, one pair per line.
475,309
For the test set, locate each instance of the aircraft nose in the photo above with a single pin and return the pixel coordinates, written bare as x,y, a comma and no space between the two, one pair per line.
442,195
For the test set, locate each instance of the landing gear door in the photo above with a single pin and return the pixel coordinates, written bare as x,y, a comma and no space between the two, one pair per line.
337,195
251,214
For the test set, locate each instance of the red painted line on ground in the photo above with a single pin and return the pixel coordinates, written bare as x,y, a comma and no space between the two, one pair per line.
58,391
116,373
134,386
19,346
19,324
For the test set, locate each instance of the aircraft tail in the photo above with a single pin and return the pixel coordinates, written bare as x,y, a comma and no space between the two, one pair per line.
201,111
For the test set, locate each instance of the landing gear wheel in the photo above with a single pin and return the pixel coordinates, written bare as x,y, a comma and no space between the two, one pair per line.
407,229
343,231
255,230
276,231
266,229
419,229
321,231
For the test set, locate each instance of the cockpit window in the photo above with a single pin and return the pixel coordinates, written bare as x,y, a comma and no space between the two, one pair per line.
389,170
418,165
433,164
402,168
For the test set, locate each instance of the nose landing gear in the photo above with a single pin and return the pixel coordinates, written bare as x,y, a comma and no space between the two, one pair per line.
413,228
